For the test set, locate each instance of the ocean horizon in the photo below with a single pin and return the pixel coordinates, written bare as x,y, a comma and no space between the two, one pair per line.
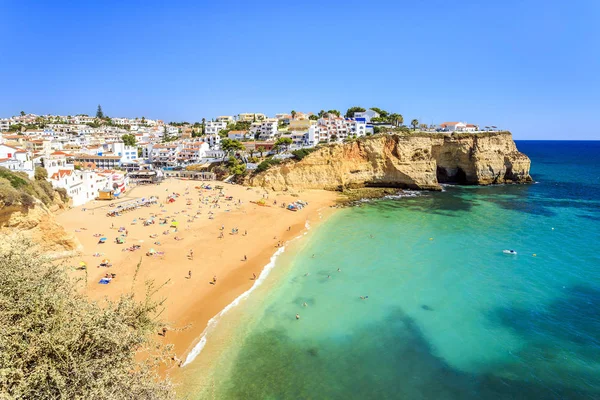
413,296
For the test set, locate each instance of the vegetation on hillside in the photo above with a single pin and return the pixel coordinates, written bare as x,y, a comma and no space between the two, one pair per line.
55,343
17,189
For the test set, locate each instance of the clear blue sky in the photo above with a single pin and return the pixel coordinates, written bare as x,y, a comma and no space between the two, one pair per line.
529,66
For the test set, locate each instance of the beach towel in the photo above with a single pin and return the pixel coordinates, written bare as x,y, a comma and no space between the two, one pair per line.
104,281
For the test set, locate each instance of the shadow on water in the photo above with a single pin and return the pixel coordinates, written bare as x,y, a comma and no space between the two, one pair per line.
573,318
387,360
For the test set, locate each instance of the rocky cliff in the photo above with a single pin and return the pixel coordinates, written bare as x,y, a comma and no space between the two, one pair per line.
419,161
37,224
27,212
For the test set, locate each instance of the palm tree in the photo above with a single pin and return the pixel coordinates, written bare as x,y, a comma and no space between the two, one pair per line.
293,114
261,149
22,113
396,119
414,123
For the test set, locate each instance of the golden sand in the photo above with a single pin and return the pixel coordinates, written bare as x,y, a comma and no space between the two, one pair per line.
190,302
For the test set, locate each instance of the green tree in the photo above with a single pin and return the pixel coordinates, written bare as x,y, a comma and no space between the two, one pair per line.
99,113
321,113
22,113
382,113
283,143
129,140
414,123
350,112
56,343
16,128
229,146
313,117
143,120
334,112
261,149
293,114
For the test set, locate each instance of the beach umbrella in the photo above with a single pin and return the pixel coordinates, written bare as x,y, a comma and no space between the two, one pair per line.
103,239
151,251
82,263
174,223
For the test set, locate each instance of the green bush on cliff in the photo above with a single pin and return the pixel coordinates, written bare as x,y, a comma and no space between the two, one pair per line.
55,343
265,165
301,153
17,189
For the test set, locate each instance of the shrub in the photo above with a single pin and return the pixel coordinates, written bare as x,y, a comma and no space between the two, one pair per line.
301,153
265,165
56,343
40,174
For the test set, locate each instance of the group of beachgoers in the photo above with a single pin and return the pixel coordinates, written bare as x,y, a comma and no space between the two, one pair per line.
208,197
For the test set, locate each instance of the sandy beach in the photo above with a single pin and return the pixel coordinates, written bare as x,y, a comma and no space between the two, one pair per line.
206,223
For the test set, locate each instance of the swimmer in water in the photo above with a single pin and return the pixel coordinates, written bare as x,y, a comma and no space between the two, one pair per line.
328,276
371,236
305,305
306,274
297,316
339,270
313,256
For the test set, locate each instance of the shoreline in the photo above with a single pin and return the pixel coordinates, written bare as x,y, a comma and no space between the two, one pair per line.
191,303
196,346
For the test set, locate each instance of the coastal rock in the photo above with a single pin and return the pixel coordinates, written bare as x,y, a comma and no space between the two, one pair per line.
419,161
38,225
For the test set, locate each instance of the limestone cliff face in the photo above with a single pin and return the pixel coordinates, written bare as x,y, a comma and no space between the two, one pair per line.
420,161
38,225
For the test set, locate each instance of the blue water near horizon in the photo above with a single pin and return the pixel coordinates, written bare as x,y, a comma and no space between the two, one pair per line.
448,314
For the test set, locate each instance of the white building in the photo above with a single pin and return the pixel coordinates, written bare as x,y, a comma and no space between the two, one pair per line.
367,115
192,152
214,141
266,130
458,127
127,153
336,129
164,154
214,127
228,119
16,159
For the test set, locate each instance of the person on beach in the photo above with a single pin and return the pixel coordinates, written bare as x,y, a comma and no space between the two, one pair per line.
214,280
164,331
245,258
253,276
190,274
191,254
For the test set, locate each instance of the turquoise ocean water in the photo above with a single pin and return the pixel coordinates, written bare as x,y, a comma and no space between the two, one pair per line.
448,315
